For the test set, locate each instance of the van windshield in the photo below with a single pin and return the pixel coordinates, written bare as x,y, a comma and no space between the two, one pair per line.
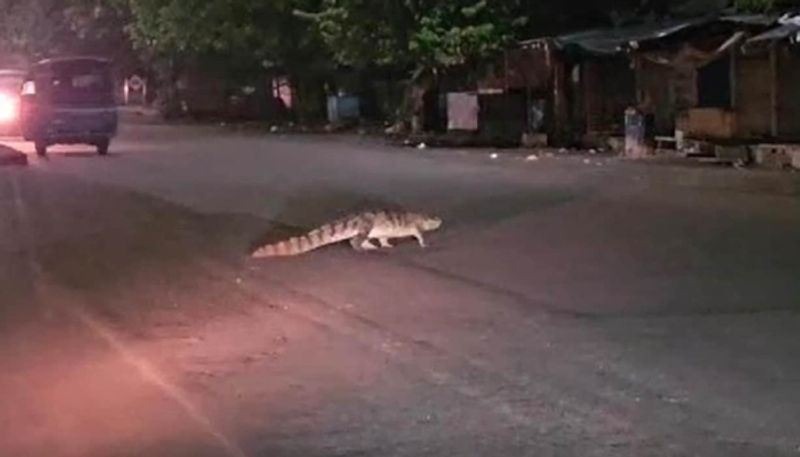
81,83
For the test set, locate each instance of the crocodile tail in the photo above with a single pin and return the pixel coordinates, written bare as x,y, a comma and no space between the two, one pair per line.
322,236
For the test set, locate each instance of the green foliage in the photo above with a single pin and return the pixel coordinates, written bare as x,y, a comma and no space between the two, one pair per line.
99,27
168,26
361,32
41,28
243,37
765,5
32,27
451,35
431,34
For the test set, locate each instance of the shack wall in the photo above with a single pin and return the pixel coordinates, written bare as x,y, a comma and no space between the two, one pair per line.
753,95
655,93
788,96
609,87
529,68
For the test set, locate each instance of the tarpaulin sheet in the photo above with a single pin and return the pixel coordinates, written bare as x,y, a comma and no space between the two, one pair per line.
462,111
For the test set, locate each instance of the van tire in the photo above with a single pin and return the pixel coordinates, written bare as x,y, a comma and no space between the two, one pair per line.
41,148
102,146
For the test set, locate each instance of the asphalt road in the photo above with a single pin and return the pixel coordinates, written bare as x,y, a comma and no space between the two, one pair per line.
575,306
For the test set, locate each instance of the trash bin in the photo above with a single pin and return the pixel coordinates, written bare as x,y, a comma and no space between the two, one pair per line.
634,133
342,108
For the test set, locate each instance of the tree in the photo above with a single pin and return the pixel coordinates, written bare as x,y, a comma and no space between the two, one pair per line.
33,28
100,27
424,37
245,38
766,5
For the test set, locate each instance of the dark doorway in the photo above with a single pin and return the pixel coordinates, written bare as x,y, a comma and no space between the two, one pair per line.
714,84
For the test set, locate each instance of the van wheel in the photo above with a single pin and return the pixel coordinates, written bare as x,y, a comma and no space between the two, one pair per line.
41,147
102,147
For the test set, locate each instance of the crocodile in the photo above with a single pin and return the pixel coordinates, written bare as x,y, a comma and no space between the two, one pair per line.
360,229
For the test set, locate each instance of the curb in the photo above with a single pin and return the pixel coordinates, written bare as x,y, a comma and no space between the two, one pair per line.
10,157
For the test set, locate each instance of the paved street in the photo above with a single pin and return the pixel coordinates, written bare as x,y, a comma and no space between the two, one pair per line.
569,306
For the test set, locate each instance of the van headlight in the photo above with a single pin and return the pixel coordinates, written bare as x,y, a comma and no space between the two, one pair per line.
9,108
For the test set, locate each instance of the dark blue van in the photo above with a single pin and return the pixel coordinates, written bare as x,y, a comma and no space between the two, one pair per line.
69,100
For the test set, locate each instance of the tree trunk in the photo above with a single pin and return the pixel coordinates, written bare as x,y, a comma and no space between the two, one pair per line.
168,99
308,98
412,109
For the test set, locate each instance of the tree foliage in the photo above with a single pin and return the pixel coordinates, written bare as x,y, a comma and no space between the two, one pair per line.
264,32
308,39
33,28
100,27
422,33
766,5
357,33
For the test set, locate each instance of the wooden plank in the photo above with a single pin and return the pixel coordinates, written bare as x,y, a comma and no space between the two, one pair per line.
773,64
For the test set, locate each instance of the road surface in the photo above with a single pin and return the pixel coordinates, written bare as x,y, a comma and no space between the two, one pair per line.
580,306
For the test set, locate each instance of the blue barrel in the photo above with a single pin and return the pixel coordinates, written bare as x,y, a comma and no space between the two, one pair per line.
634,133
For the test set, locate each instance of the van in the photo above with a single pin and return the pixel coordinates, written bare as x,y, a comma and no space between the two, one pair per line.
69,100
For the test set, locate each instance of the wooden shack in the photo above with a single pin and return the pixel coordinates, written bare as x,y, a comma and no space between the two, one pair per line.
726,79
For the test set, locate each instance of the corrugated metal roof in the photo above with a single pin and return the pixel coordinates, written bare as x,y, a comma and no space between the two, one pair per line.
764,20
789,28
616,40
609,41
777,34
